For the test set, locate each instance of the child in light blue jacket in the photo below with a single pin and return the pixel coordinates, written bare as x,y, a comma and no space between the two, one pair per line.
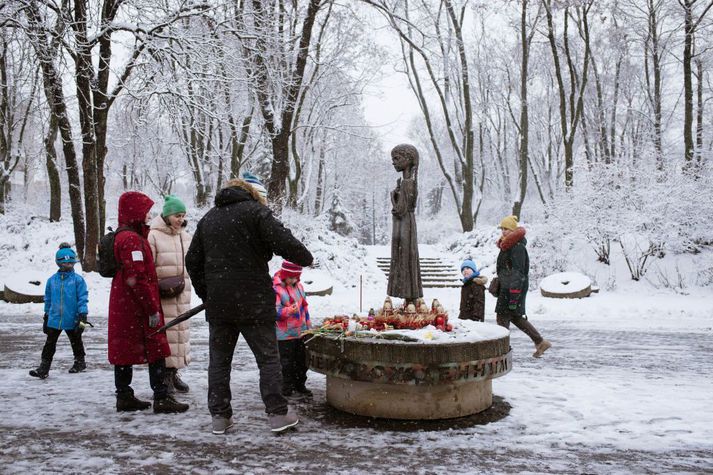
66,299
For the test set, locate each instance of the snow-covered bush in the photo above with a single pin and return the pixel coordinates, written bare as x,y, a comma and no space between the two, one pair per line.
478,245
339,221
550,252
648,214
343,257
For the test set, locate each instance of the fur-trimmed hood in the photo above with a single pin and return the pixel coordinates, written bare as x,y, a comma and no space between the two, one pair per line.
236,190
481,280
505,243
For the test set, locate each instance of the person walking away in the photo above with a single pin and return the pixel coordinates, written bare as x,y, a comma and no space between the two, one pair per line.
513,267
292,322
66,300
472,294
228,264
135,311
169,242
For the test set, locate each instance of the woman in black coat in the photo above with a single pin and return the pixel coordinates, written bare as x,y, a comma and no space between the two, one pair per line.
513,267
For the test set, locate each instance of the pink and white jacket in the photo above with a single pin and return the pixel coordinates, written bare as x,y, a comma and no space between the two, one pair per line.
290,324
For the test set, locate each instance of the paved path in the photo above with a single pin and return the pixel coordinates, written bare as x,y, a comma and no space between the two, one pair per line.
67,423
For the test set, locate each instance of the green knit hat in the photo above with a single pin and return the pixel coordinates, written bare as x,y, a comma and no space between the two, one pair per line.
173,205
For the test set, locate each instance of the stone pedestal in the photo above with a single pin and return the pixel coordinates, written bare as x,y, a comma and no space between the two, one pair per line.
392,401
410,380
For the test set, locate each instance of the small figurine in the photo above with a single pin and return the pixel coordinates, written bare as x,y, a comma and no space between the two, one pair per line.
410,309
434,305
372,314
388,307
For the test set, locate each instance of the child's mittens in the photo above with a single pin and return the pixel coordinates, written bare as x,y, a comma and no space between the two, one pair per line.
294,309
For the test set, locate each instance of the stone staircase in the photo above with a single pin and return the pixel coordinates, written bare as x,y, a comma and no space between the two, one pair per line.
434,272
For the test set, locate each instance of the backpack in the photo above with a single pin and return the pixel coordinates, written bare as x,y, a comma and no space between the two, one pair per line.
106,260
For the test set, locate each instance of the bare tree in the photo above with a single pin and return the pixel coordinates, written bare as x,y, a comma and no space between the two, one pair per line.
435,57
18,86
277,68
523,124
571,93
691,24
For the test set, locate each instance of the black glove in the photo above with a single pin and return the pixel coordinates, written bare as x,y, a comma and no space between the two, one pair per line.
44,324
82,323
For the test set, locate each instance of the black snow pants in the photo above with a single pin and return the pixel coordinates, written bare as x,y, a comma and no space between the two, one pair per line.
262,340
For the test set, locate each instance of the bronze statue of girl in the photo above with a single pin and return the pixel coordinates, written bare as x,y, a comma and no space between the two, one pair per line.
405,271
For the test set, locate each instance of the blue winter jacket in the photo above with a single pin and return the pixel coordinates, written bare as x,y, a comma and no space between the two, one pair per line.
66,296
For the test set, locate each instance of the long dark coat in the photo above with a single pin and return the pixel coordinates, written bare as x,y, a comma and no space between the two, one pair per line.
513,268
228,257
134,289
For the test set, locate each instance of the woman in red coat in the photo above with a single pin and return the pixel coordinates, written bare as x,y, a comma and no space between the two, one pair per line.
135,310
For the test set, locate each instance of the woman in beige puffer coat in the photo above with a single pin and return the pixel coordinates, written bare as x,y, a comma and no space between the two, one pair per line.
169,243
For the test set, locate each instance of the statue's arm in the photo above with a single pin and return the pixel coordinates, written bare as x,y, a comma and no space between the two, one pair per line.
397,200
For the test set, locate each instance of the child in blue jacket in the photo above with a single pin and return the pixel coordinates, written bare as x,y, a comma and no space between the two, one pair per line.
66,299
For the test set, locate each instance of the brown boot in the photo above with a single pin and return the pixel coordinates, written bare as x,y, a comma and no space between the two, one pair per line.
541,348
128,403
168,405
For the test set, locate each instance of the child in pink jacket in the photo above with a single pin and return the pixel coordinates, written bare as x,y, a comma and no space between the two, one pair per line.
292,320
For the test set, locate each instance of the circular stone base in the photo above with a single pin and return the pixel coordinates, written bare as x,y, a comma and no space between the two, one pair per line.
409,401
11,296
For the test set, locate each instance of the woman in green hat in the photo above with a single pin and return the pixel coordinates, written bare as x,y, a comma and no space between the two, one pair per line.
169,242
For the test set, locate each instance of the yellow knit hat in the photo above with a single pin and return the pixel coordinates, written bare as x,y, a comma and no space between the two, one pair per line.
509,222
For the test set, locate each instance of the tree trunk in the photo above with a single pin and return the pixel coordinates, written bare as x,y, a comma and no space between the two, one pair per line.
699,111
656,59
319,193
688,83
53,171
524,128
84,77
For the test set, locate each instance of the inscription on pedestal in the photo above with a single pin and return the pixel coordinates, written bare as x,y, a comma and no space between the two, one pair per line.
411,373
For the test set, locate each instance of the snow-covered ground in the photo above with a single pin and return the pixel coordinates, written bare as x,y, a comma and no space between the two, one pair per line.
626,388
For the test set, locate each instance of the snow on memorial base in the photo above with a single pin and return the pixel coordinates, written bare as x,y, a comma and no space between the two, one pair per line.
443,377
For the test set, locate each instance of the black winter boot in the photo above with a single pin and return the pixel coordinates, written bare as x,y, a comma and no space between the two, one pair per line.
178,383
301,389
168,375
42,371
129,402
168,405
79,366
